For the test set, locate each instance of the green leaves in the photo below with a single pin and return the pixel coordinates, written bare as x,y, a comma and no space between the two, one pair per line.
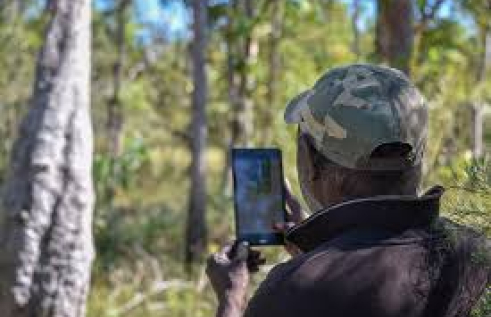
468,199
122,172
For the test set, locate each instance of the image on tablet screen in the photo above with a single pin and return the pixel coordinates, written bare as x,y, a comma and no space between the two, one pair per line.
259,194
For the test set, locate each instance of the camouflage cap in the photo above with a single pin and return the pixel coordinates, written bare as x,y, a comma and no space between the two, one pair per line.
353,110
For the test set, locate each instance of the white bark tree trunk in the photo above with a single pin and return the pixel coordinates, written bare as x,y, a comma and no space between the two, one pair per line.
46,215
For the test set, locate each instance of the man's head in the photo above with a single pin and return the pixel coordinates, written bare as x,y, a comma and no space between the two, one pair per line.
362,132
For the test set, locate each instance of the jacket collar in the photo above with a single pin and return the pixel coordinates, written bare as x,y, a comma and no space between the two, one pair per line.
389,213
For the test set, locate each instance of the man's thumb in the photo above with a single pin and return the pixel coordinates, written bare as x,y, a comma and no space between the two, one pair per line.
242,251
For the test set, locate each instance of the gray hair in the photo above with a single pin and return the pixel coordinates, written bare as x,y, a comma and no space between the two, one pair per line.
352,184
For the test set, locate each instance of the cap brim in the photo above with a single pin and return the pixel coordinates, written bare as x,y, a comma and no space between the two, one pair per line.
295,107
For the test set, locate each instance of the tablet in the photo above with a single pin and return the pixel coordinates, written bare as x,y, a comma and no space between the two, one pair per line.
258,195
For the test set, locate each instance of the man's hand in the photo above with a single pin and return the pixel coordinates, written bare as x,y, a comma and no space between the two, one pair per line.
295,216
229,272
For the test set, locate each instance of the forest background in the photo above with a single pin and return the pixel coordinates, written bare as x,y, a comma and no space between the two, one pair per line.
176,83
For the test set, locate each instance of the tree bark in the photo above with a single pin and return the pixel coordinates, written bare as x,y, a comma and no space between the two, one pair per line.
477,107
12,9
394,38
233,98
241,54
277,15
242,123
355,46
115,114
196,223
46,215
477,131
115,119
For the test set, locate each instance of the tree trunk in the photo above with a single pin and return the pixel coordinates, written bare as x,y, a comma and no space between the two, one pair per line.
355,46
196,222
233,98
115,118
46,215
12,9
115,114
241,54
394,38
274,62
242,123
477,107
477,131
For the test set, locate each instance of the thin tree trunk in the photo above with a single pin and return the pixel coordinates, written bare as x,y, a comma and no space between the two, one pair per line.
46,216
115,119
233,97
477,131
242,123
115,114
274,57
477,107
394,38
196,223
12,9
355,46
241,54
485,59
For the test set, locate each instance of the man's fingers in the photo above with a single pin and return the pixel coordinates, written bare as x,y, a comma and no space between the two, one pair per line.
292,249
237,254
292,203
242,252
253,254
278,227
254,262
283,227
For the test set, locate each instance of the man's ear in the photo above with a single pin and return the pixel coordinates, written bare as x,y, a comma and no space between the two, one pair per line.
306,157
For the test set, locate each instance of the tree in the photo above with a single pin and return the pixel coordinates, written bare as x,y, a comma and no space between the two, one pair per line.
394,38
196,222
274,62
114,107
481,11
115,114
46,215
355,47
12,9
243,49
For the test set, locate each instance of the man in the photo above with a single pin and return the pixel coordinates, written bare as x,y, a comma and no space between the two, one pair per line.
374,247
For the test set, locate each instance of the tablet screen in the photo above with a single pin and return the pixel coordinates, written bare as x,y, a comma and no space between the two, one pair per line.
258,191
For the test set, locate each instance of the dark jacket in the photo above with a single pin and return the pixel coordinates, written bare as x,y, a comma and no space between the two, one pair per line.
378,257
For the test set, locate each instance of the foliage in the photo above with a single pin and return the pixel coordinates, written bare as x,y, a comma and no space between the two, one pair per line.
470,203
469,193
119,174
